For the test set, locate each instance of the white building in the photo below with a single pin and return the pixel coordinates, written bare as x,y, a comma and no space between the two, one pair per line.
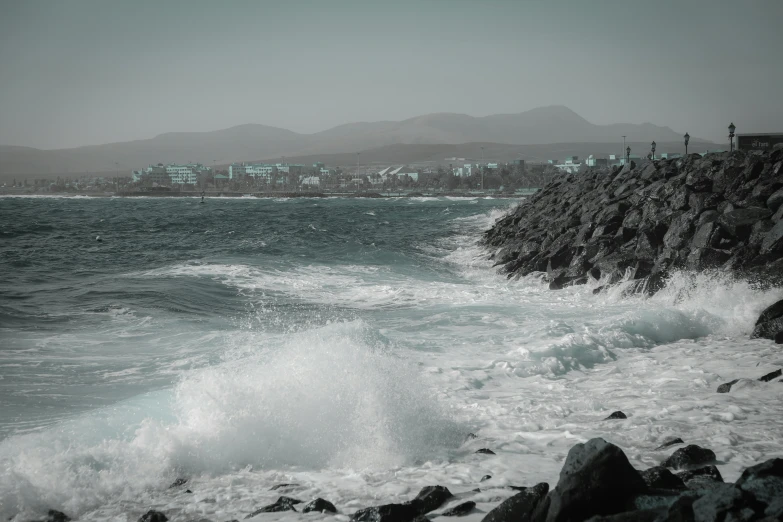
311,181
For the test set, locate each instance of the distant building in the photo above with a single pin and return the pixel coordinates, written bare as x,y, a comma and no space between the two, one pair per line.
172,174
311,181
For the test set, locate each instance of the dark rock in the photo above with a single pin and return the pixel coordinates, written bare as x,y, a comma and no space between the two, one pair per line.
659,477
773,240
726,502
708,216
520,506
319,505
775,200
738,223
282,504
726,387
153,516
670,442
485,477
460,510
771,375
695,478
596,479
646,515
55,516
770,322
180,481
485,451
764,481
779,337
188,491
386,513
429,498
471,436
282,486
616,415
689,456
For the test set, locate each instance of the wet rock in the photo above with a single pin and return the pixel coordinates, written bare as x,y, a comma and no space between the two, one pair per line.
689,456
726,387
700,478
153,516
647,515
770,322
596,479
764,481
485,477
319,505
282,486
697,213
281,504
386,513
779,337
659,477
460,510
179,482
771,375
670,442
616,415
485,451
727,502
520,506
55,516
429,498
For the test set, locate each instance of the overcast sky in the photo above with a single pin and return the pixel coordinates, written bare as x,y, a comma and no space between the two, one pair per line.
87,72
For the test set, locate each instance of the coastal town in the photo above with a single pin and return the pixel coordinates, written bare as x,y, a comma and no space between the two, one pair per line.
453,174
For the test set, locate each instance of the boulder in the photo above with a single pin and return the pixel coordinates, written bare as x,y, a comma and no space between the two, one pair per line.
281,504
700,478
485,451
659,477
616,415
771,375
726,502
429,498
770,322
58,516
670,442
153,516
319,505
738,223
646,515
386,513
726,387
689,456
179,482
772,243
596,479
775,200
459,510
519,507
764,481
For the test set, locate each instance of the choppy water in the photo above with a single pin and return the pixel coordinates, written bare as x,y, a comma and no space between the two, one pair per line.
347,346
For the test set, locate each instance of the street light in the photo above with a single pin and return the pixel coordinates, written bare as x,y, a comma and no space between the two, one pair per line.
731,137
652,146
687,139
628,155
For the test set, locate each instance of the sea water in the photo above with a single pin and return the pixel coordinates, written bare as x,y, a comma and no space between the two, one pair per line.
347,347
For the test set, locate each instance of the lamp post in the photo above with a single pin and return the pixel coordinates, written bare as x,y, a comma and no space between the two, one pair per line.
652,146
623,142
731,137
482,168
627,155
687,139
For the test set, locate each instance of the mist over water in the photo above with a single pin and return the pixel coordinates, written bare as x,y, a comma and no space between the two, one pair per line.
348,346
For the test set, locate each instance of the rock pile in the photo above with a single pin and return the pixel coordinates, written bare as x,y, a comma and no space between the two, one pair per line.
640,222
693,212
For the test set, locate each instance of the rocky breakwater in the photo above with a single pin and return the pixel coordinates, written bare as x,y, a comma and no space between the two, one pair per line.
640,222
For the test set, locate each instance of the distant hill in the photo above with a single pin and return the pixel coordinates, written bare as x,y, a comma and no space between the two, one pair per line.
546,125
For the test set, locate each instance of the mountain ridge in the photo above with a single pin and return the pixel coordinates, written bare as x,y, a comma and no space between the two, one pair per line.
245,142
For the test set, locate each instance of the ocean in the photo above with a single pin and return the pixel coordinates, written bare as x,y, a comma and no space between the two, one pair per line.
354,349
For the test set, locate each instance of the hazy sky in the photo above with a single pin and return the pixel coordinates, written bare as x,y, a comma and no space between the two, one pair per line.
86,72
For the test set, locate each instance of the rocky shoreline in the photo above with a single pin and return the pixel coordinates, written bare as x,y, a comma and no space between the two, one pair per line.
597,483
641,222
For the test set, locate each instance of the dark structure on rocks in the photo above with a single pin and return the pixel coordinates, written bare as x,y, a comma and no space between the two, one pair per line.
641,222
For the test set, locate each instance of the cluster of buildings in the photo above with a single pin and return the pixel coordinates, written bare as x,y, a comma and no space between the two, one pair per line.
172,174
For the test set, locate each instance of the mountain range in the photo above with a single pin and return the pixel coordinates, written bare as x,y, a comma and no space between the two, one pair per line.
250,142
